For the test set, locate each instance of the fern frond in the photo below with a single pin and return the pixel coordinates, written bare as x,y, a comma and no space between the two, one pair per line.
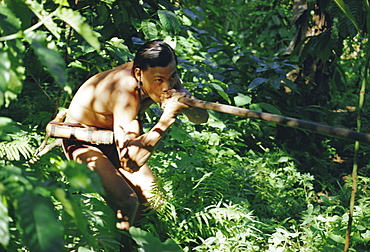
13,150
353,19
347,11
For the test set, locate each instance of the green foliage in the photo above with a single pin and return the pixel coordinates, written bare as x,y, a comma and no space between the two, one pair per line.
271,69
149,243
41,229
233,184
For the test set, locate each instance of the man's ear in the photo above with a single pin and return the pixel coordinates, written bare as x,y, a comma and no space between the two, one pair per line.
137,73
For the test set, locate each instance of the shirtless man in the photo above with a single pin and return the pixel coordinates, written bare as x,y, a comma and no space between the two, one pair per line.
113,100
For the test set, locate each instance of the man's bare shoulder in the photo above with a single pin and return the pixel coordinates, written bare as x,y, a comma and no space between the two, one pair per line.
118,78
106,86
127,65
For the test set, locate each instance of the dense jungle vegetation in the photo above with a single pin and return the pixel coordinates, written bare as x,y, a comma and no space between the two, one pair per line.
232,184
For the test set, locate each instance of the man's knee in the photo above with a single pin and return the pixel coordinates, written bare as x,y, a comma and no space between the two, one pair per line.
126,210
131,202
126,203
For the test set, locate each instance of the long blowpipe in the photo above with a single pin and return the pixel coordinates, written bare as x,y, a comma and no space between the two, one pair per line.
287,121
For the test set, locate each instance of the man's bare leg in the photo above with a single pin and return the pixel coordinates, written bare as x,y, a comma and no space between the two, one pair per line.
120,196
142,179
142,182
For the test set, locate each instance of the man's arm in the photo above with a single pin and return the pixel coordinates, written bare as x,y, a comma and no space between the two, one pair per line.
195,115
134,149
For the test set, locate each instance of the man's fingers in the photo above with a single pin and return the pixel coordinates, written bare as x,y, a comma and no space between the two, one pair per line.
173,101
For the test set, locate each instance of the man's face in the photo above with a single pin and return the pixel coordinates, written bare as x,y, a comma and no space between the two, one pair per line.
158,80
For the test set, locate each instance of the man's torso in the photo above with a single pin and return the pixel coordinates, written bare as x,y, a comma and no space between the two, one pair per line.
94,101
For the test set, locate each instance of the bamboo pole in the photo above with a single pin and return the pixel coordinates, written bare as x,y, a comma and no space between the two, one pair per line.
287,121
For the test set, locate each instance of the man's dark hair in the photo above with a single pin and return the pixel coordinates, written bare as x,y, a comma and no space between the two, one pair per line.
155,53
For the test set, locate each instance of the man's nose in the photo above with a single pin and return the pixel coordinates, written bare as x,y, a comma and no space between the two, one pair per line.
165,86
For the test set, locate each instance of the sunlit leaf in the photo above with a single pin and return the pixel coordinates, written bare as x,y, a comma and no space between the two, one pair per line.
214,139
241,99
83,249
15,84
217,124
46,17
147,242
62,2
337,238
169,20
4,70
4,223
149,29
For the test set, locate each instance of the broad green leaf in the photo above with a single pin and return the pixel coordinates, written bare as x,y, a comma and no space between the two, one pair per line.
61,195
7,126
256,82
11,76
9,23
283,159
214,139
269,108
337,238
255,107
221,92
119,50
15,84
62,2
21,11
75,211
169,21
38,220
2,97
49,58
217,124
4,223
82,178
83,249
241,100
149,29
275,82
171,246
74,19
146,241
4,70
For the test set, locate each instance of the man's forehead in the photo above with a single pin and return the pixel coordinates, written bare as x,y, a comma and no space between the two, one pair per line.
170,69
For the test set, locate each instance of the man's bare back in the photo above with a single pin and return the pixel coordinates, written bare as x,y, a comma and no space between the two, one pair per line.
94,102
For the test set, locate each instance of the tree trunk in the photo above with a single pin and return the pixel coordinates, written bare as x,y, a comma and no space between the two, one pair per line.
311,45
